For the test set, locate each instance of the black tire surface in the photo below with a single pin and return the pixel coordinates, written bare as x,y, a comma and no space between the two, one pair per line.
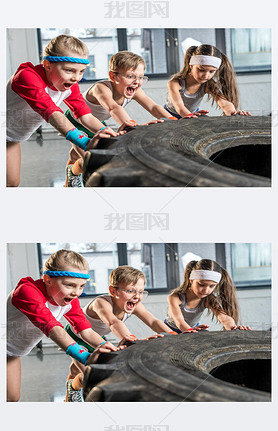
183,368
199,152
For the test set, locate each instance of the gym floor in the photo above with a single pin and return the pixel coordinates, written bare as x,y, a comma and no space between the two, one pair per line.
44,374
43,160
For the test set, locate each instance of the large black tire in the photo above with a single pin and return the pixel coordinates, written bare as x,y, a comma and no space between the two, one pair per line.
204,366
204,152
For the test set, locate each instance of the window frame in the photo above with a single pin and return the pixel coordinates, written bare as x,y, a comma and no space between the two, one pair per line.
172,64
249,70
250,284
172,53
171,256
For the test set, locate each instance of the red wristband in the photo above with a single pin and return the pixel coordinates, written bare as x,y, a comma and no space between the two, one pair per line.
172,118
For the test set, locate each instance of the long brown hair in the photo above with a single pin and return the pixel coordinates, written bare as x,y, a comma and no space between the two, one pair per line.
223,84
223,298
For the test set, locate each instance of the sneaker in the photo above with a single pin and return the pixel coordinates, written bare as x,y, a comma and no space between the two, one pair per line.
73,180
73,395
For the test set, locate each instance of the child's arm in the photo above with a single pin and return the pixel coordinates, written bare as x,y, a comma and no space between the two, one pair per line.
104,96
228,108
229,323
105,313
153,108
64,126
94,339
93,124
174,306
155,324
64,340
61,337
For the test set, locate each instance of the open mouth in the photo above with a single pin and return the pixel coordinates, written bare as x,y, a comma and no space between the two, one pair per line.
130,305
130,91
67,86
67,300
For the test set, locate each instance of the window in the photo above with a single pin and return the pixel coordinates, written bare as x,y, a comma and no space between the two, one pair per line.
150,259
163,49
149,43
90,287
251,48
251,264
90,72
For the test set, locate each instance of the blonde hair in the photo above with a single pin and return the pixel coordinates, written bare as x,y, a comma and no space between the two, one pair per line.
125,60
125,275
223,298
63,44
61,260
222,84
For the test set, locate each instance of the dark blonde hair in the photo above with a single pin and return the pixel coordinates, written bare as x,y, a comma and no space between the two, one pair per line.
125,60
63,44
125,275
223,298
222,84
61,260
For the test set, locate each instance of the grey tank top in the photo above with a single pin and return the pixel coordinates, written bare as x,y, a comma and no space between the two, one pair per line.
99,111
190,101
98,325
191,316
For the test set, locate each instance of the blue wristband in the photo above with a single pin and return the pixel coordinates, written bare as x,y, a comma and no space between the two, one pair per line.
78,138
101,344
78,352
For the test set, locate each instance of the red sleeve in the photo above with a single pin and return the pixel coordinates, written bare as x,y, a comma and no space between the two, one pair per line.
76,102
30,300
76,317
29,84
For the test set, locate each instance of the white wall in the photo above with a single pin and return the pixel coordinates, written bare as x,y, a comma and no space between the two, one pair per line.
22,46
22,261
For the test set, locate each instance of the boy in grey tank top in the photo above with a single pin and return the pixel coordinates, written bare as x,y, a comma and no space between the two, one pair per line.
108,313
109,98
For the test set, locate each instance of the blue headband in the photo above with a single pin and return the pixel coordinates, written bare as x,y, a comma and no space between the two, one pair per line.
66,274
54,59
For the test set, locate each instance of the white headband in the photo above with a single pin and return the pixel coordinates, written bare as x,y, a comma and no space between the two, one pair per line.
206,60
201,274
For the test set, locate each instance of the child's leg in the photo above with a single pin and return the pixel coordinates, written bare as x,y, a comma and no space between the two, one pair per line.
13,378
13,164
75,153
74,167
75,382
74,369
